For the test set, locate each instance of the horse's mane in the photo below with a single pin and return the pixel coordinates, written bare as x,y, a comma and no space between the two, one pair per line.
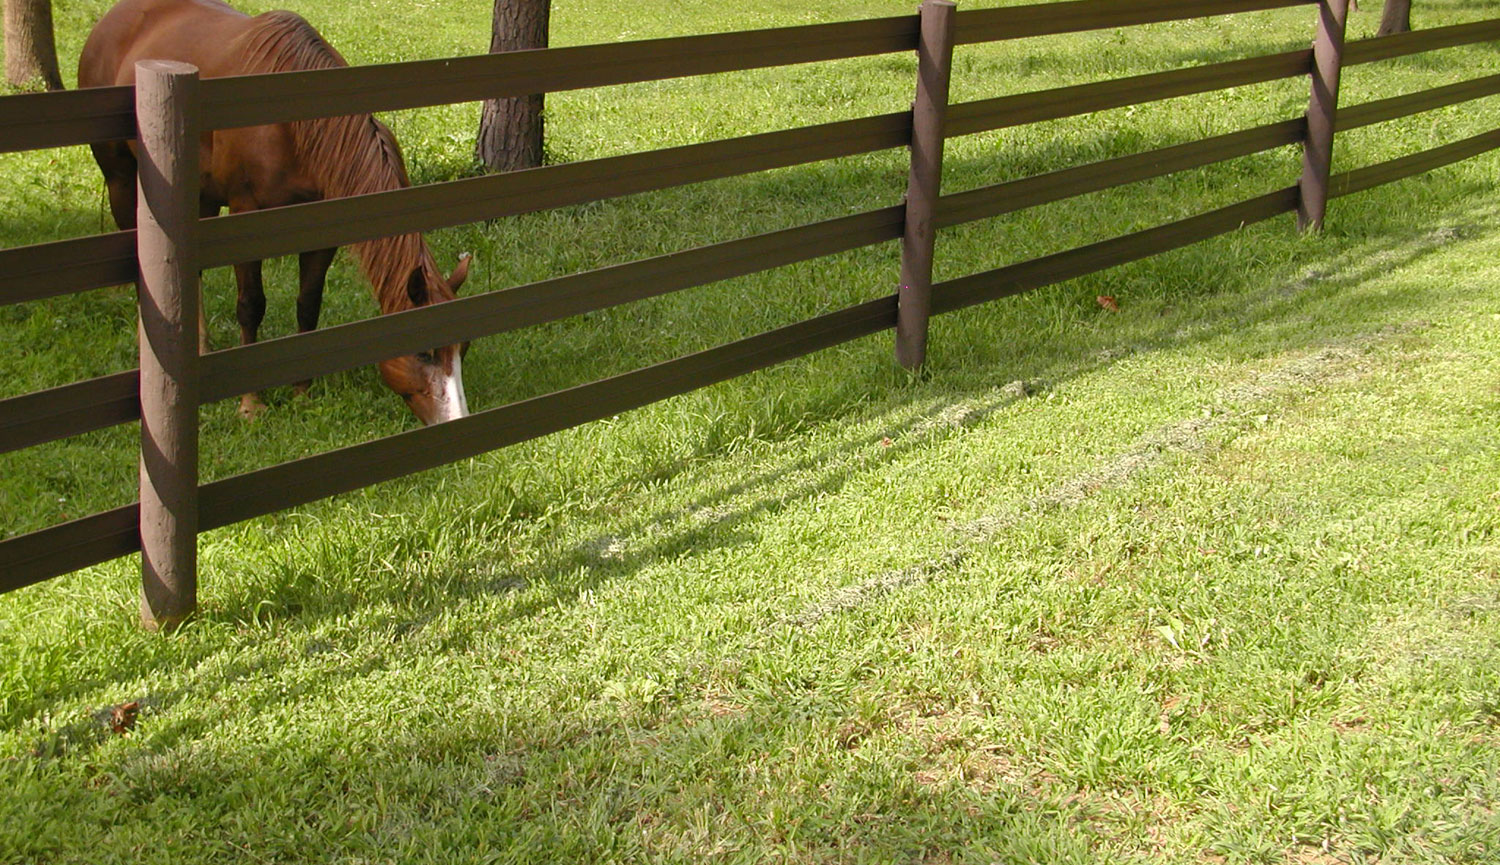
350,155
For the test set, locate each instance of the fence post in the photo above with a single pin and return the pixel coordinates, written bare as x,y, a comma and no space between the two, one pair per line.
1317,148
167,119
929,113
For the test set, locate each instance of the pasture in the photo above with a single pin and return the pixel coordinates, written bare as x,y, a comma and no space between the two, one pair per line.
1210,578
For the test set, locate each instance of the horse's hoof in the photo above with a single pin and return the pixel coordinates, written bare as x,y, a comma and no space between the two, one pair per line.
251,406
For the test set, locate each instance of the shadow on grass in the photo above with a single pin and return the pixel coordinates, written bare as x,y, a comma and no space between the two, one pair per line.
725,517
831,468
733,509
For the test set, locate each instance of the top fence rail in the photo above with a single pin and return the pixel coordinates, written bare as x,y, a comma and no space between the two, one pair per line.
41,120
1051,19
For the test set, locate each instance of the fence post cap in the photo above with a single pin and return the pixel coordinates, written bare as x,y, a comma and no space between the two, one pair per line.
166,67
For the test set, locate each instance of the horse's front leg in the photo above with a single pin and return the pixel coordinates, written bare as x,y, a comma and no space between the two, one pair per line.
251,310
313,270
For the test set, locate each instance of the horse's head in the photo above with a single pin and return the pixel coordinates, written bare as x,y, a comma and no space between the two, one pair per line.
431,382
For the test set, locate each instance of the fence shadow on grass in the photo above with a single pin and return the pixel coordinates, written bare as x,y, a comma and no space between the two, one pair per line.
722,518
726,517
1320,296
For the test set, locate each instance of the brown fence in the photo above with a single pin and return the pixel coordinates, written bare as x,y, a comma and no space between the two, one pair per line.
169,103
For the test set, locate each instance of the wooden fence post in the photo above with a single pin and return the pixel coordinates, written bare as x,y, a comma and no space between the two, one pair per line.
167,119
1317,148
929,113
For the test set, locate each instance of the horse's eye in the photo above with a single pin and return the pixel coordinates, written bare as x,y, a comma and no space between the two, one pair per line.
426,357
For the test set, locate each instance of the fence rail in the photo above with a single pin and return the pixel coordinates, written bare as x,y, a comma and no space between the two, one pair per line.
51,269
1420,42
61,267
1055,19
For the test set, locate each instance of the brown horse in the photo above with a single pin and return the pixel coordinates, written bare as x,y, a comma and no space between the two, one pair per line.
280,164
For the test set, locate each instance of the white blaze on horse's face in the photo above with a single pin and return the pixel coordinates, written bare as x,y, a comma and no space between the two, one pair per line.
431,383
447,387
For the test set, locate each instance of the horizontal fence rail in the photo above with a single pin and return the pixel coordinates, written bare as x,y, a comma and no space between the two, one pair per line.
350,90
1051,19
293,358
61,267
283,230
1406,105
31,558
1372,176
40,120
35,121
1019,278
286,485
1023,108
1420,41
97,262
280,231
69,410
25,559
1014,195
32,121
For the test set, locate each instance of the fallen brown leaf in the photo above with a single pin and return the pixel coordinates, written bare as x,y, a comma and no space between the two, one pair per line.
122,717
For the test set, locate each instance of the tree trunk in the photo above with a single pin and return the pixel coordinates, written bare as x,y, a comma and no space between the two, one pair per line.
30,54
510,129
1395,18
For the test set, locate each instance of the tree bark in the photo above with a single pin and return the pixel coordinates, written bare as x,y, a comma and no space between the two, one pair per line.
30,53
510,129
1395,18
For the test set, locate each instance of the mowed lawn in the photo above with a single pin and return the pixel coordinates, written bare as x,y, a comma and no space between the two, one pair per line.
1214,577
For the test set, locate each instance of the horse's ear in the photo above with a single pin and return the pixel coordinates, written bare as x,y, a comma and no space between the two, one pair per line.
461,272
416,287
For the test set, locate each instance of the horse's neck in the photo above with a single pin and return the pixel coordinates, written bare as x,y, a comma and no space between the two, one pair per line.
348,156
388,263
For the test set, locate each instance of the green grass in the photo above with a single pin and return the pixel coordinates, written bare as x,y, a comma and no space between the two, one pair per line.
1210,579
